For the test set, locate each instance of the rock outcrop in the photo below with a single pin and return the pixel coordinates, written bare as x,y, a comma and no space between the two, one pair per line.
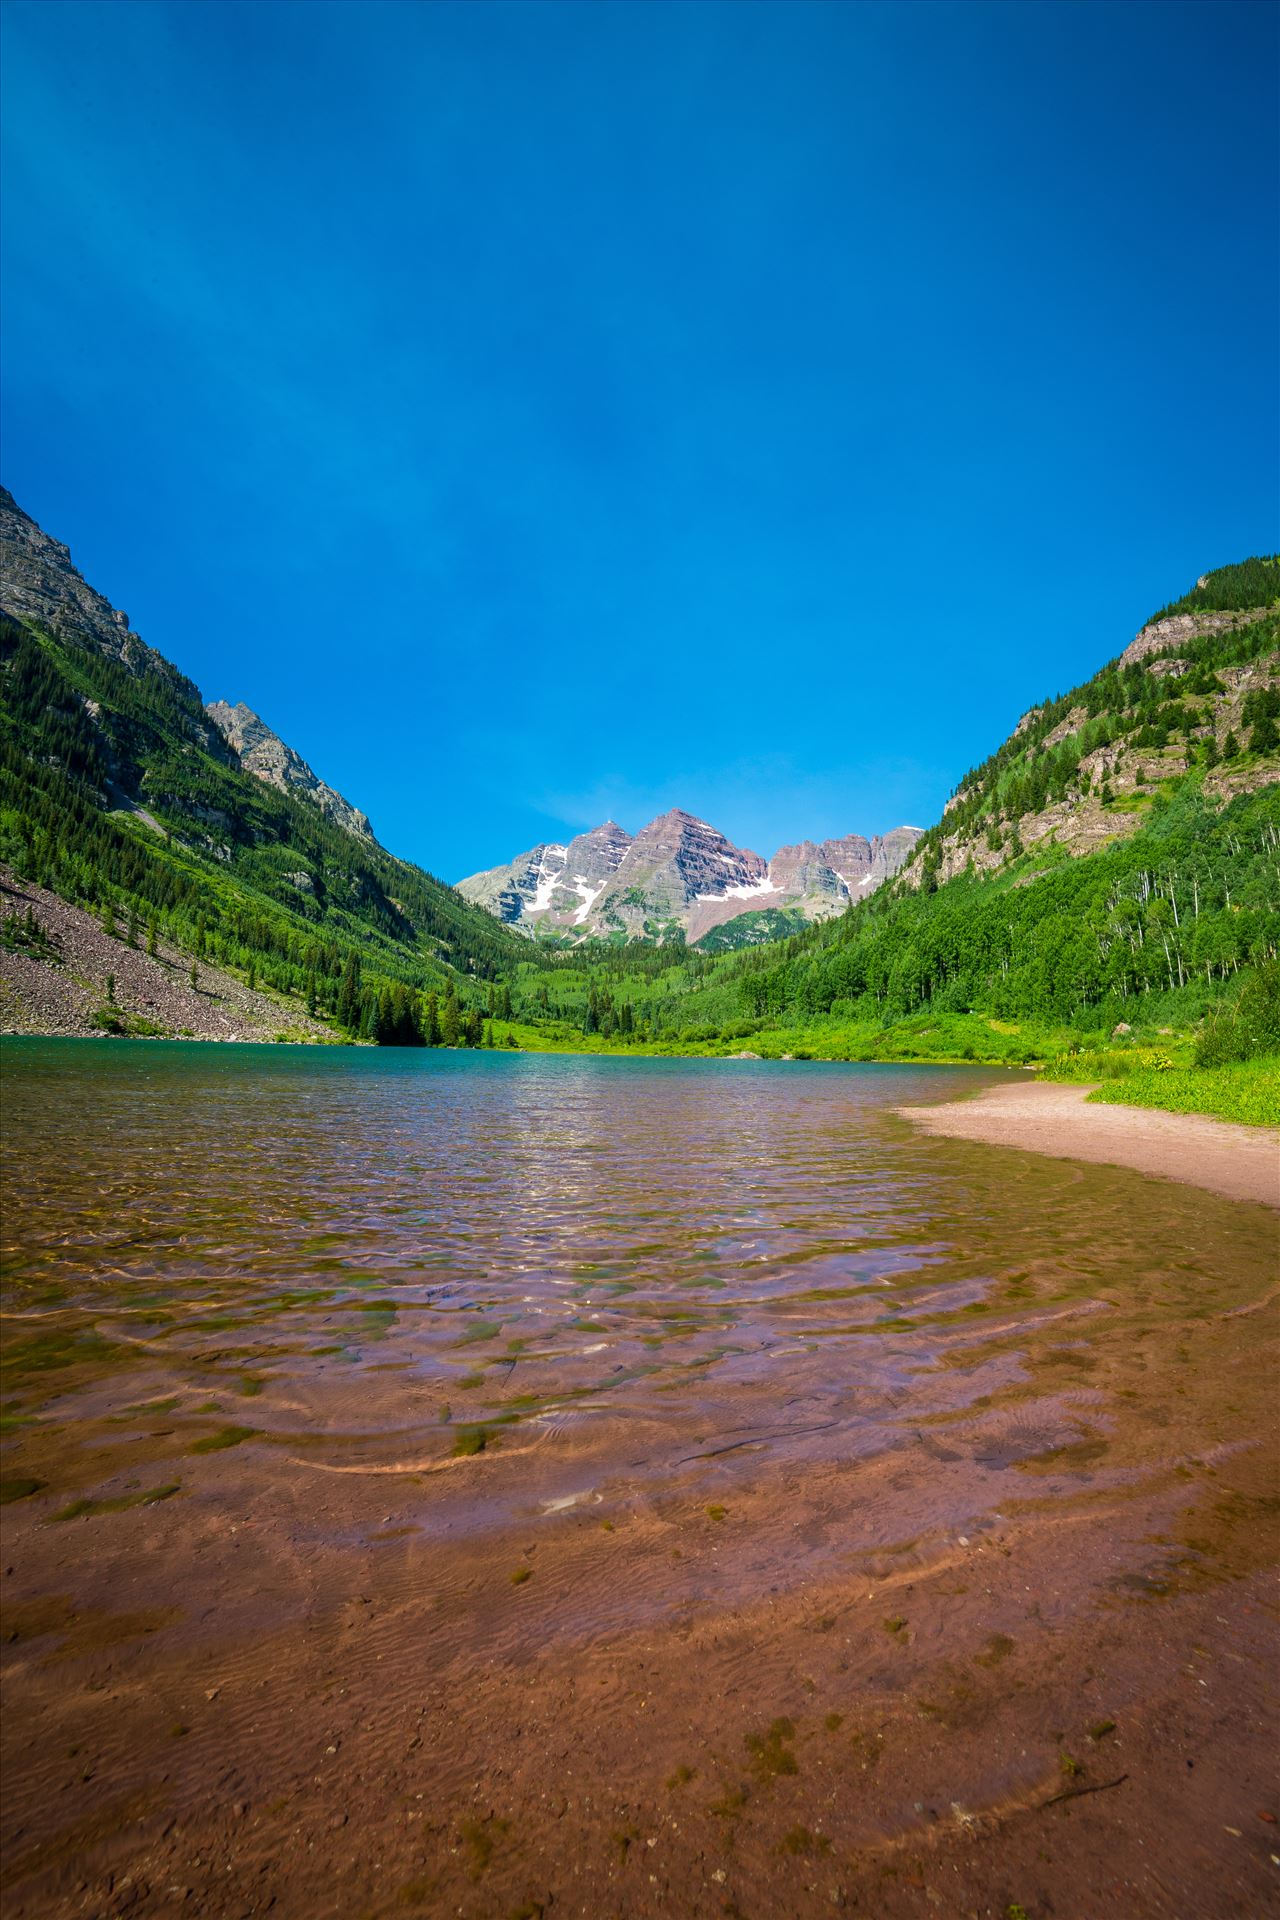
40,584
267,757
1163,636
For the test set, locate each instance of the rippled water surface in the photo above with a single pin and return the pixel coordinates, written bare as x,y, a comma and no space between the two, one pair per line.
427,1474
397,1259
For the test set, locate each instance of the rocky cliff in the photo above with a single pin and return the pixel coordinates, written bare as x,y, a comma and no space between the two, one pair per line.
265,755
679,875
39,582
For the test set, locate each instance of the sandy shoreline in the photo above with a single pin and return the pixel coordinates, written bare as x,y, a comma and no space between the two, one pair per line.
1241,1163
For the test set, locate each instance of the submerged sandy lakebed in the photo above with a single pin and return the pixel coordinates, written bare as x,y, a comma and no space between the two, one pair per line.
461,1485
1242,1163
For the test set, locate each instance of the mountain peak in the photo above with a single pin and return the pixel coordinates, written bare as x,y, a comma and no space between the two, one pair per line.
42,584
679,877
265,755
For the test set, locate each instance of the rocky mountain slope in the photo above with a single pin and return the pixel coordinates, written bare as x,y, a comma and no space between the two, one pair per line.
121,792
678,876
41,585
1197,688
266,756
62,972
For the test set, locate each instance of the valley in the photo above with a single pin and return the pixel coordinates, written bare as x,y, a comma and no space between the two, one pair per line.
1094,901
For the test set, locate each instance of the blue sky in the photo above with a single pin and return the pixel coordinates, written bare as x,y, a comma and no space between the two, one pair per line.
545,412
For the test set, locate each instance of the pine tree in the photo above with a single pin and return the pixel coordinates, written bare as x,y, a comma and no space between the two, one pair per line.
1231,747
431,1021
152,938
450,1024
195,975
349,1003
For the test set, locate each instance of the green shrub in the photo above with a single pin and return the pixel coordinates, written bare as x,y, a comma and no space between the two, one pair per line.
1246,1027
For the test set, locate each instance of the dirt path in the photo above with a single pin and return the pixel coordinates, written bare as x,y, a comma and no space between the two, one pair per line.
1242,1163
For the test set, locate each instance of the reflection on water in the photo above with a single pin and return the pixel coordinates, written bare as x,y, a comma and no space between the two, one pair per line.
397,1260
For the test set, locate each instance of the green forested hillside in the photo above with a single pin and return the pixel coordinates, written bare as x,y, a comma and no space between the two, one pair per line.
1101,892
117,793
1244,584
1178,908
754,929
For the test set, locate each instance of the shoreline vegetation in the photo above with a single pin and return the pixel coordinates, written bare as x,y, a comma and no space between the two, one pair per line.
69,974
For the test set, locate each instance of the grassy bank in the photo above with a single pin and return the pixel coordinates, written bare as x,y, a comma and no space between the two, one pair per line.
1243,1090
943,1039
1248,1091
1144,1068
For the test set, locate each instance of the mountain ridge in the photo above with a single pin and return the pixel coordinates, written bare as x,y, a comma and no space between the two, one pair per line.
262,752
120,793
1194,690
679,877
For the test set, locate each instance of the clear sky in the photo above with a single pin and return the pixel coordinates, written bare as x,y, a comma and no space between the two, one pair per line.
543,412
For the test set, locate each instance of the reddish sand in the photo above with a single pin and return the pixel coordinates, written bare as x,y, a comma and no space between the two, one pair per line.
1242,1163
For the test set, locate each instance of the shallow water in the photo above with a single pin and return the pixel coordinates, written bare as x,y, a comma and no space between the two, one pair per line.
393,1259
351,1394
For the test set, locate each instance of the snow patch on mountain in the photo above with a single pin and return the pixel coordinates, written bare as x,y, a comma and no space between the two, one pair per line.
678,875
